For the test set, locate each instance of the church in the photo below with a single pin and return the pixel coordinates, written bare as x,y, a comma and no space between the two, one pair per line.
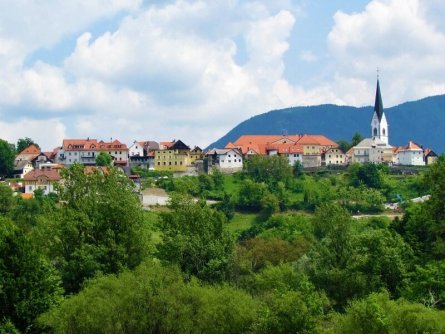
375,149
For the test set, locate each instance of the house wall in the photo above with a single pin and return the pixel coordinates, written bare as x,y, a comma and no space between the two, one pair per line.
411,157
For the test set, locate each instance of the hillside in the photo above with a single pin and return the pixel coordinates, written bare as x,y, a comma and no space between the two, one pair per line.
422,121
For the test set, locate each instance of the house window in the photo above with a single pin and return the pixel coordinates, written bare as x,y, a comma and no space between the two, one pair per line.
176,163
180,162
170,163
165,163
159,163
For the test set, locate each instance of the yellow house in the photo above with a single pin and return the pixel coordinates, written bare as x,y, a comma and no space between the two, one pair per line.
175,157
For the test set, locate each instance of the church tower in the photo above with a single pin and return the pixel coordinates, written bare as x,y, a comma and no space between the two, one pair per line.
379,124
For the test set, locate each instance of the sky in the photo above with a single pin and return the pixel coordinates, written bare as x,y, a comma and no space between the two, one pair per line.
192,70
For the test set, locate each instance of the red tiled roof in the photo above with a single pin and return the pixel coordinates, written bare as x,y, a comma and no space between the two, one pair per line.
262,143
230,145
35,174
114,145
79,144
32,149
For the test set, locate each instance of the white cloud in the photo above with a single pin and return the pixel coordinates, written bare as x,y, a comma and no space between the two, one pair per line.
399,37
47,133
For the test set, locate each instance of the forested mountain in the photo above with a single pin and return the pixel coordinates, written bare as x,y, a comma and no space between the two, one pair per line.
422,121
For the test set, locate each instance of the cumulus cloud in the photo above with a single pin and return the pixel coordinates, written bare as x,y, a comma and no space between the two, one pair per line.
172,69
399,37
47,133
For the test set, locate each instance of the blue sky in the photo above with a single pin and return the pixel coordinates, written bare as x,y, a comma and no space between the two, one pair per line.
163,70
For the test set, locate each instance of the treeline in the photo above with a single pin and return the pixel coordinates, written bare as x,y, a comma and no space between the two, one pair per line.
271,185
84,262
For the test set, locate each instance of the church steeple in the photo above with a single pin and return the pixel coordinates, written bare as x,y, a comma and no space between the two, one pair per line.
379,125
378,106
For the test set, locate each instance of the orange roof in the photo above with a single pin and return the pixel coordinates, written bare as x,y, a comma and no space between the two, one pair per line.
114,145
79,144
230,145
283,144
32,149
166,144
35,174
411,146
26,196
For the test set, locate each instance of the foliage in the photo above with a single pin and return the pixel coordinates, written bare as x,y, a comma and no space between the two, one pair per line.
99,229
426,284
348,263
153,299
6,199
194,238
269,169
356,139
29,285
251,195
291,299
7,156
104,159
366,174
362,199
23,143
423,225
378,314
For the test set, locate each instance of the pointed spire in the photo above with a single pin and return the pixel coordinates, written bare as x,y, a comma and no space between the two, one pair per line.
378,106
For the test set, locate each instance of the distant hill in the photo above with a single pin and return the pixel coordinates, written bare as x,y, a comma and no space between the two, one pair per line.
421,121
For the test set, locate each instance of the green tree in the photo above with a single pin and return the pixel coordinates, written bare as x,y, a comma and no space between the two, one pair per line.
269,170
104,159
344,145
297,169
194,238
367,174
6,199
99,229
251,194
29,285
423,225
26,142
153,299
378,314
356,139
7,156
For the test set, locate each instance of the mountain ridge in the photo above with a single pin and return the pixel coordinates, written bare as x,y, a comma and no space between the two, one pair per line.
422,121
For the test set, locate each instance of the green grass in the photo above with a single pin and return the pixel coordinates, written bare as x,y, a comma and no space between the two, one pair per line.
241,222
231,184
151,218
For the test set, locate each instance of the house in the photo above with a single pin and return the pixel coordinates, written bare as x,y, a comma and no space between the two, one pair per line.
173,156
82,151
372,150
411,154
44,179
307,149
141,153
85,151
430,156
334,156
117,150
23,161
226,160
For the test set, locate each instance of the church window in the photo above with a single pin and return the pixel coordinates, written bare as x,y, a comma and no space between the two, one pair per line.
384,132
375,131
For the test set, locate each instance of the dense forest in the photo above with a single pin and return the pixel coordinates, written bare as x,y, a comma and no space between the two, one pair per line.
272,249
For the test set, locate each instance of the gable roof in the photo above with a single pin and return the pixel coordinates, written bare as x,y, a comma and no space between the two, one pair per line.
79,144
378,105
32,149
34,175
179,145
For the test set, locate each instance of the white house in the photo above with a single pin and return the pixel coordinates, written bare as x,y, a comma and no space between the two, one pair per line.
372,150
335,156
41,179
227,160
411,154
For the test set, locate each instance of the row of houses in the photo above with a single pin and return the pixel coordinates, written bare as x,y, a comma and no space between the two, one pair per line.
38,168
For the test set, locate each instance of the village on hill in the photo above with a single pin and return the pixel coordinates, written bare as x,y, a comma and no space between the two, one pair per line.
40,170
